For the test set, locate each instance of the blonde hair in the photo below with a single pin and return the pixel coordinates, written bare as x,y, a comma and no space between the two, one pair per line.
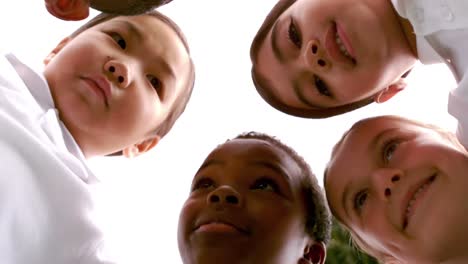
355,238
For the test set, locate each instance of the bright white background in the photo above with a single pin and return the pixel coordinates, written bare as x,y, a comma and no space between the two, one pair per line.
139,200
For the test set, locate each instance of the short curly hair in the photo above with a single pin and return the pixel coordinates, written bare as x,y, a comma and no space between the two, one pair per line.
318,217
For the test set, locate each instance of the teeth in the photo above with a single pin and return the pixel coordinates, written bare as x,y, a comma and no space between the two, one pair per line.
341,46
415,196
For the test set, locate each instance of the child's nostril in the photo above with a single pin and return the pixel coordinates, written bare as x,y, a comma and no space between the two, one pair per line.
314,49
321,62
214,199
395,178
232,199
112,69
388,192
121,79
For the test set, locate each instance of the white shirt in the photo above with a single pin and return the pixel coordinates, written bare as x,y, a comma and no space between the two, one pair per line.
45,202
441,28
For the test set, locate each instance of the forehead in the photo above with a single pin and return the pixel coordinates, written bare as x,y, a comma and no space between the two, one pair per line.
240,152
248,149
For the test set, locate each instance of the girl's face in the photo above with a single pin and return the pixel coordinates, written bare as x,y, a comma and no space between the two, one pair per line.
116,82
401,188
246,206
321,54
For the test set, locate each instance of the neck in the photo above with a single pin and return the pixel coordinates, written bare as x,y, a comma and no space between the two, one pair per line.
409,34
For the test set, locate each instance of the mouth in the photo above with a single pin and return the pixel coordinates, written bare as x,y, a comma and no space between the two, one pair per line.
219,226
338,45
100,87
415,195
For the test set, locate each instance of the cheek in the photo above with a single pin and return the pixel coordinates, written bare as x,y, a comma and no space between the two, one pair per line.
280,219
187,215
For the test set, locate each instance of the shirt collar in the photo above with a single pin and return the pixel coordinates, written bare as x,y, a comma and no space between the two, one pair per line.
39,89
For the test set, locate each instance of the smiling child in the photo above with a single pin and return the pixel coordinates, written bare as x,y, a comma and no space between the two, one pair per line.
317,59
399,186
254,200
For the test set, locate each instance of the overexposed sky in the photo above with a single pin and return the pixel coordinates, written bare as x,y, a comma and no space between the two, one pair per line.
139,199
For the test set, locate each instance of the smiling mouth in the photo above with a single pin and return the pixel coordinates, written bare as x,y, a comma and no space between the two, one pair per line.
338,46
411,206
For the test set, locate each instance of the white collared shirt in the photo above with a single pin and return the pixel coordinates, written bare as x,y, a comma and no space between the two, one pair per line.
45,202
441,28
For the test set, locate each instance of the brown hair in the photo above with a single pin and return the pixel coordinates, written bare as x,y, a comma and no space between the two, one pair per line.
181,101
318,217
263,85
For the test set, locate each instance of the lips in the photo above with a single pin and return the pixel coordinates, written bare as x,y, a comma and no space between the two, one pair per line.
413,198
338,46
221,224
101,87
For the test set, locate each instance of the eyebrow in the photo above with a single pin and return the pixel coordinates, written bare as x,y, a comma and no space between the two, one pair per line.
209,163
274,167
133,29
274,44
375,141
344,199
298,91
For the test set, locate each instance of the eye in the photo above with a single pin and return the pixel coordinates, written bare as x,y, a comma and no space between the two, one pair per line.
265,184
321,87
119,40
389,149
360,200
203,183
156,83
294,35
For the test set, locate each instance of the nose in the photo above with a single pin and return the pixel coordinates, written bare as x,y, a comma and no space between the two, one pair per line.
384,180
224,196
119,72
315,56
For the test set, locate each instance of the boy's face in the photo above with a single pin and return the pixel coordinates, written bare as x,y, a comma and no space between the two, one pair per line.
322,54
401,188
245,206
116,82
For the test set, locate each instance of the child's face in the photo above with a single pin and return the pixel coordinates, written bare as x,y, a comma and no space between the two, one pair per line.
401,188
117,81
245,206
322,54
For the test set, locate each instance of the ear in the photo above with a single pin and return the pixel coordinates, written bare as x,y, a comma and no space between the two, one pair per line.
314,254
390,91
56,50
68,9
140,148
